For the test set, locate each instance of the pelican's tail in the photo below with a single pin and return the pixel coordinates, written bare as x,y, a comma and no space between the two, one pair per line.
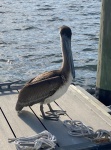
18,107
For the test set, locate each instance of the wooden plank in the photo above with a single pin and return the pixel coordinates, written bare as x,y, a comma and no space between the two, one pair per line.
91,103
75,102
26,124
94,106
5,133
57,128
93,99
78,107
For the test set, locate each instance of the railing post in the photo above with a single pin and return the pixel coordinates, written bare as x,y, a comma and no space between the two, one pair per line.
103,83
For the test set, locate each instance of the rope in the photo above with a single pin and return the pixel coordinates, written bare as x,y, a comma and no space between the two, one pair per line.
42,140
78,129
102,136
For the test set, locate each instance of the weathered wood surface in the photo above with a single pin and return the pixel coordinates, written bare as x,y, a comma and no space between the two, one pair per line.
103,83
104,51
93,100
77,105
57,128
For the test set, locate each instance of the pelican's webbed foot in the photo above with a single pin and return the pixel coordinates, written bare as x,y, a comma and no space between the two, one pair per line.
50,116
55,112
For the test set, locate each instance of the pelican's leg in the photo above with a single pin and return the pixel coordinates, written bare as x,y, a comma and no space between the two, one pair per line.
50,116
56,112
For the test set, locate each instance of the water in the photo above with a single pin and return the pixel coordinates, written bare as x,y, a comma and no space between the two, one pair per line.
29,38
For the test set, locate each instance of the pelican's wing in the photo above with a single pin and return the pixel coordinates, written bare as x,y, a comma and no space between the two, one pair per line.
43,76
35,92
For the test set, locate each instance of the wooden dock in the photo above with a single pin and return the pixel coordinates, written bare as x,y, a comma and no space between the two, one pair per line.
78,104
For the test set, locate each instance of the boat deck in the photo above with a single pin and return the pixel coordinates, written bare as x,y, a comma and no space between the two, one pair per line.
78,104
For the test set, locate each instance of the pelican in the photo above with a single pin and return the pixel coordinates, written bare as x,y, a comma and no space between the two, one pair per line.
49,86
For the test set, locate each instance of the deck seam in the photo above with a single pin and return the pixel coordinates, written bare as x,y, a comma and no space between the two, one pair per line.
41,122
63,110
38,118
7,122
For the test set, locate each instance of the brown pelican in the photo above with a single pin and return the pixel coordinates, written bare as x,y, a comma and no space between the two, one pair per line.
51,85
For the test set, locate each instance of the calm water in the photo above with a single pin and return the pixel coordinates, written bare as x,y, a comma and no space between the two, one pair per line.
29,37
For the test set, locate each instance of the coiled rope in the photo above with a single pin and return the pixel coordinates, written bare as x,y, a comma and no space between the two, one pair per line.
78,129
47,141
43,140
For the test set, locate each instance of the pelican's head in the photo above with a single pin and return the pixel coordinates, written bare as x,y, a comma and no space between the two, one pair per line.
65,34
66,31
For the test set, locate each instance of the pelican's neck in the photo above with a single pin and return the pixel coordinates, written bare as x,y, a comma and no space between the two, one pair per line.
66,48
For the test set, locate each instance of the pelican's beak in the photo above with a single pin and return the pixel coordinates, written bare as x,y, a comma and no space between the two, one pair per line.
72,64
